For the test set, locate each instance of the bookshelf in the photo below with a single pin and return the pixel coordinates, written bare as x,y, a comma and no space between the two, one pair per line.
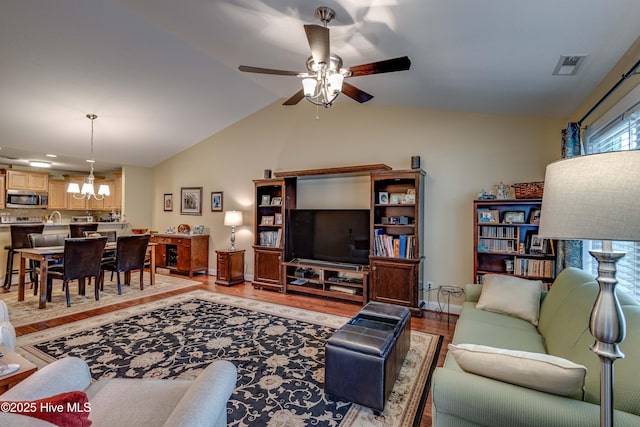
506,242
272,199
396,255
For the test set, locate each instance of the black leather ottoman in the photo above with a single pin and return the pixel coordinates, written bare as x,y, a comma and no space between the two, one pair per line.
364,357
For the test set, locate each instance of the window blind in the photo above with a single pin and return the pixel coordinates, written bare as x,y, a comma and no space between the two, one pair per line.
619,134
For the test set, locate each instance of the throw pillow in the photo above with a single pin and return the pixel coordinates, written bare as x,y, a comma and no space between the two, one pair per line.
69,409
536,371
512,296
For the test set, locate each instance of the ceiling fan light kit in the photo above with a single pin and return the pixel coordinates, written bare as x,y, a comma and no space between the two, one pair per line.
324,80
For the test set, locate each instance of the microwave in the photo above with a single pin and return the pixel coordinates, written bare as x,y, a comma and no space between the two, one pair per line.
26,199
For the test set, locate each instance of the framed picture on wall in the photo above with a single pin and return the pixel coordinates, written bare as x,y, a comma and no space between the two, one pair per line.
191,201
216,201
168,202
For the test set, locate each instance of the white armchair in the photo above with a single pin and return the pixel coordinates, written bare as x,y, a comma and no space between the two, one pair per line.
131,402
7,331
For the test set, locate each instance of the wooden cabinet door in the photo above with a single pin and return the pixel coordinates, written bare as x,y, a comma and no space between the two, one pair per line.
17,180
57,195
161,255
222,267
267,266
184,255
394,282
38,181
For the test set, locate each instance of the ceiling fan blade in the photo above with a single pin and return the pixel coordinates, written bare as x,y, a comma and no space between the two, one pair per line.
387,66
318,38
259,70
355,93
297,97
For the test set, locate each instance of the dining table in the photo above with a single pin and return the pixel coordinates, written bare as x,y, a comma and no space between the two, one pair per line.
45,254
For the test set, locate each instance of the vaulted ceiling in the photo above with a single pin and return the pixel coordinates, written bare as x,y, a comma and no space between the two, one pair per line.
162,75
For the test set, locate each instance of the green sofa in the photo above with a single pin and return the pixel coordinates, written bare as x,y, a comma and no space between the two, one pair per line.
465,399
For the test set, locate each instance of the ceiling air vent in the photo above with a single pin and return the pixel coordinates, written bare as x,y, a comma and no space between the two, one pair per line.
568,65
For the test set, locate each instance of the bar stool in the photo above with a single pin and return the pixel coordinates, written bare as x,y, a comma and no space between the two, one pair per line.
19,240
77,230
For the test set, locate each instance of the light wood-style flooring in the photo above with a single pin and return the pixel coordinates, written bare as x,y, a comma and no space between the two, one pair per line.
430,322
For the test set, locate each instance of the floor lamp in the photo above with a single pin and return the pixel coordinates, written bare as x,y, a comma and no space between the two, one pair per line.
597,197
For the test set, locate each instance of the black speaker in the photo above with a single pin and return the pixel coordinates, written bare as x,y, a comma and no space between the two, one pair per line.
415,162
267,173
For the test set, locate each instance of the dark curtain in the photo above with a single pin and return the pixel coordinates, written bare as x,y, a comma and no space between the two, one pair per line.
570,251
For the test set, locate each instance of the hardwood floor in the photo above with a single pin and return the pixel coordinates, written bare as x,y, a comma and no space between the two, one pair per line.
431,322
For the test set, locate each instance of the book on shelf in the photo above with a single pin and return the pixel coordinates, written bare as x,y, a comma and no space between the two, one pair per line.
271,238
385,245
534,267
343,289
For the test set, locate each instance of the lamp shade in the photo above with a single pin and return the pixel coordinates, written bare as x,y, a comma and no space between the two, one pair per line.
87,188
73,188
232,218
309,86
103,190
593,197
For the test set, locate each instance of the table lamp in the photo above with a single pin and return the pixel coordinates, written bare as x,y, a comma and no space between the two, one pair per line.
597,197
233,219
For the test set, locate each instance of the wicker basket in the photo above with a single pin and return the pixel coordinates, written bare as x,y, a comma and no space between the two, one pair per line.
529,190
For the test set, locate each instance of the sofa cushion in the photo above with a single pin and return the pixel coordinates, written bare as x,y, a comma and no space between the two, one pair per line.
537,371
69,409
511,295
125,401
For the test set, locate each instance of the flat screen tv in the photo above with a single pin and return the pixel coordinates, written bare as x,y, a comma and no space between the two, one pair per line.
334,235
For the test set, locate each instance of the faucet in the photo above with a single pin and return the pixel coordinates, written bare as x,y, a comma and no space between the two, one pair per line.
59,217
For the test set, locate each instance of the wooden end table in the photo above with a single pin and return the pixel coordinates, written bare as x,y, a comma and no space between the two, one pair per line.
230,267
26,368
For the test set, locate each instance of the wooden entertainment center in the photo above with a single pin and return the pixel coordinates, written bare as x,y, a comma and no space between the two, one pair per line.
396,257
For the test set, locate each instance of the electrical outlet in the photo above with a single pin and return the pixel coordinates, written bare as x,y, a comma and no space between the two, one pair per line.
429,285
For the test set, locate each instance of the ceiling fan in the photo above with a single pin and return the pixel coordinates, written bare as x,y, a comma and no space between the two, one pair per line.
324,80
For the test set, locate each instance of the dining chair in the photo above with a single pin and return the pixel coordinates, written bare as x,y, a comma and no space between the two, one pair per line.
130,256
82,259
39,240
19,240
78,229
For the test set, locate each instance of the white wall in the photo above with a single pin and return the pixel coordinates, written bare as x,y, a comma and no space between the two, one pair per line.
462,153
137,196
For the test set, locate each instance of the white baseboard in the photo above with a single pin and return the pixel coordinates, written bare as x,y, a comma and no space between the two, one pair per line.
434,306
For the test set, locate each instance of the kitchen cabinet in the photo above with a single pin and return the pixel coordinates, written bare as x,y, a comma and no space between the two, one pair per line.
114,200
187,254
73,203
2,192
57,194
25,180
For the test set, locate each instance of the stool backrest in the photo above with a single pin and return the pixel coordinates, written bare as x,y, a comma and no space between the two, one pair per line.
20,235
38,240
77,230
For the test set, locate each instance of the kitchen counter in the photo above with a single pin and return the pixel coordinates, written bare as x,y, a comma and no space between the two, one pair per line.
104,225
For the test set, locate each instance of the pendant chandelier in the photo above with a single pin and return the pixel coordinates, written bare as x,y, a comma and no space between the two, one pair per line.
88,190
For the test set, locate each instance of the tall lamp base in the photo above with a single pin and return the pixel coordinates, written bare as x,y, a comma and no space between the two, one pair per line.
608,327
233,238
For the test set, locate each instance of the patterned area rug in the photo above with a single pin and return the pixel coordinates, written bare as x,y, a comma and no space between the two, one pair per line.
26,312
278,350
